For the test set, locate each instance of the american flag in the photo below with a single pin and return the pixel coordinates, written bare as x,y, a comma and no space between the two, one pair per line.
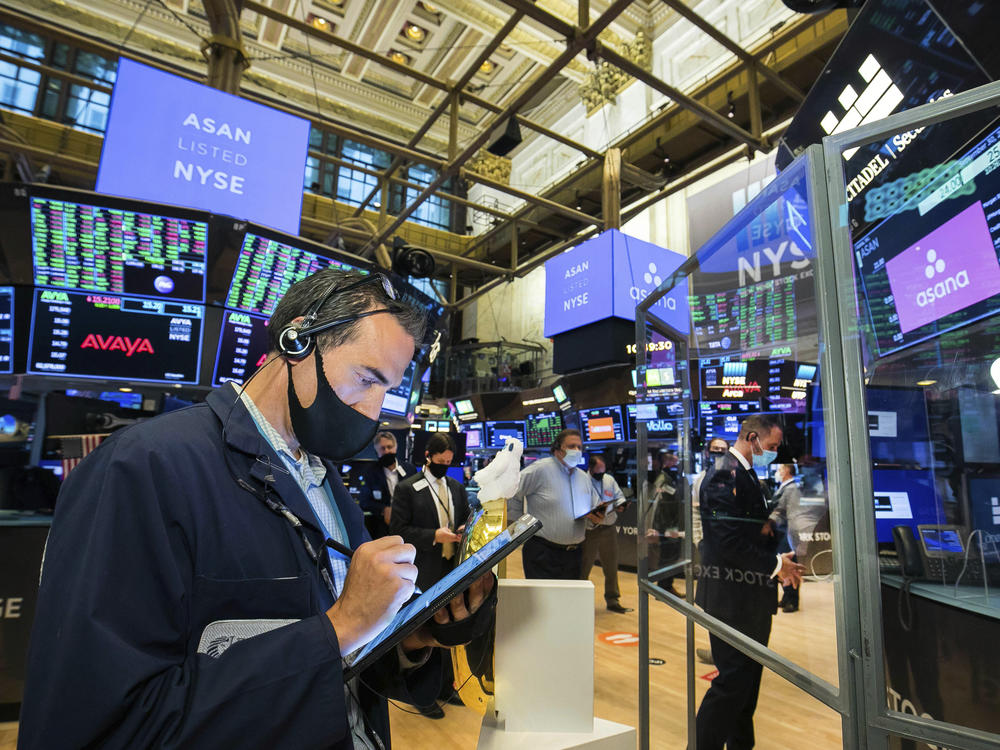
87,444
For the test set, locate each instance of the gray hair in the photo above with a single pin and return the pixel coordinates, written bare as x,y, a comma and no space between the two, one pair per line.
304,294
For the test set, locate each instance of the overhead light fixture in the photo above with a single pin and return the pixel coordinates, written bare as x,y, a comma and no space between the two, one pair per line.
414,32
995,373
732,107
125,390
505,138
487,67
659,151
430,8
579,206
398,57
926,382
321,23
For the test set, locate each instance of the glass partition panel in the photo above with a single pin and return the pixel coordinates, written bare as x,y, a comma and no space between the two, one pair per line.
747,489
754,358
927,301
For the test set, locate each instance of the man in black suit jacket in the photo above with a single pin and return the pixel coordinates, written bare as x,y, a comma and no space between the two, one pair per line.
380,482
736,580
428,510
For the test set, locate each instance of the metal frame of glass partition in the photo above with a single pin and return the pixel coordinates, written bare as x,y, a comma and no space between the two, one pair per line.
849,435
860,696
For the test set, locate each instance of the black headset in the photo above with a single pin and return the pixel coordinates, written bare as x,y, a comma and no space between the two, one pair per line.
296,341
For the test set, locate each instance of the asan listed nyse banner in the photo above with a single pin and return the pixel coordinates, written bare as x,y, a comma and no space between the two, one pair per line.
174,141
92,335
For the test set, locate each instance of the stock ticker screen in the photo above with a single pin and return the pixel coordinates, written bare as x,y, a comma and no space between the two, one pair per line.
754,290
267,267
116,251
6,329
722,418
243,347
932,266
114,336
541,429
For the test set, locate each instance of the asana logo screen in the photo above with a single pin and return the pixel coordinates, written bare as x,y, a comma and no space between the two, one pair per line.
951,268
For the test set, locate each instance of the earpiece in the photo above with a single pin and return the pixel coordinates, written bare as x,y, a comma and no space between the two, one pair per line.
290,343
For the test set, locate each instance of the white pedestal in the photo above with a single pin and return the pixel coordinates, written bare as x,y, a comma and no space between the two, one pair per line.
606,735
545,656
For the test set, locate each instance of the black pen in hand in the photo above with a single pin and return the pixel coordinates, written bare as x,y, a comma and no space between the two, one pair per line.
347,552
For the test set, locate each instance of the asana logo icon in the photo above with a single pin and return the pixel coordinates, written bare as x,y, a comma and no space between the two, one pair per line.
878,98
953,267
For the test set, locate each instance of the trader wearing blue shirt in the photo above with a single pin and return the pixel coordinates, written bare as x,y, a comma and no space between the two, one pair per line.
558,493
188,597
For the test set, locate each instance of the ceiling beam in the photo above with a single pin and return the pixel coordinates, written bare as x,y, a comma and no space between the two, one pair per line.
404,70
573,47
570,213
751,60
445,103
605,52
536,260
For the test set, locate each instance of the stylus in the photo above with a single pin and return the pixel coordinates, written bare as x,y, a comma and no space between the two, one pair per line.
349,553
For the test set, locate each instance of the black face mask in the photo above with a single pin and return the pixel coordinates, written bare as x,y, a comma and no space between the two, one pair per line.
328,428
387,460
598,476
716,454
437,470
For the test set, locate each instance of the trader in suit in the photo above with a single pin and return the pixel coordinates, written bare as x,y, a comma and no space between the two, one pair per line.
736,580
786,521
429,511
380,482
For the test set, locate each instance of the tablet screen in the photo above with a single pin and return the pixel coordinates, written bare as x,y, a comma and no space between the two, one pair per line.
418,611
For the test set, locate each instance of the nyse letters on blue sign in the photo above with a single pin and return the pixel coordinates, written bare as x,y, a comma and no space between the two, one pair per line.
174,141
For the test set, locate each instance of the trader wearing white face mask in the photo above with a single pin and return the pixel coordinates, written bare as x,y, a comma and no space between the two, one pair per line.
558,493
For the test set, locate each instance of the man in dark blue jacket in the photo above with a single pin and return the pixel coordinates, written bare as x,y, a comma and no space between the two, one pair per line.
736,583
187,598
380,480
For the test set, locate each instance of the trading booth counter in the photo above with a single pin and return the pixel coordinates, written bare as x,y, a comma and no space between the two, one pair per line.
22,541
938,655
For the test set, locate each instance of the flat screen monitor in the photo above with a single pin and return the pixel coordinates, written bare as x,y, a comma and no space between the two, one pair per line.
114,337
984,512
6,329
243,347
464,406
496,431
106,249
602,424
474,438
541,429
898,431
397,399
904,498
897,54
178,141
268,264
754,290
662,420
723,418
932,265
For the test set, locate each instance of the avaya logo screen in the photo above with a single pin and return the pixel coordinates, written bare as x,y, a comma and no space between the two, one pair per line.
114,337
934,266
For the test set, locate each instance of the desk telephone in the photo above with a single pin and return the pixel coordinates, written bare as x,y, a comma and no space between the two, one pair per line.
939,556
